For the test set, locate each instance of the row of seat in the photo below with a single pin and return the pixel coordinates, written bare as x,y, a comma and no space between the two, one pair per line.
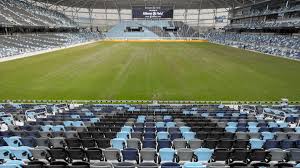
124,133
149,155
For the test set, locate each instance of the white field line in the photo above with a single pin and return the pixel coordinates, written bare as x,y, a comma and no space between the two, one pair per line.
9,58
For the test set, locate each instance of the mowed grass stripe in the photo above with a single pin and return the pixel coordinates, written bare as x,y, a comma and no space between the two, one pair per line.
150,71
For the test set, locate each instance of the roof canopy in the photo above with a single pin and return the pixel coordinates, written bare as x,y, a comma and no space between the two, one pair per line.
128,4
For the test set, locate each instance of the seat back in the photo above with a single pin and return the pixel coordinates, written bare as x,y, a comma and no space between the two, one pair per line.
195,143
148,154
166,155
112,154
179,143
130,154
94,154
185,154
203,154
278,154
119,143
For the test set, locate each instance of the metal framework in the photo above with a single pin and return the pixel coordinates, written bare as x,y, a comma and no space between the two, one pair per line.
128,4
86,12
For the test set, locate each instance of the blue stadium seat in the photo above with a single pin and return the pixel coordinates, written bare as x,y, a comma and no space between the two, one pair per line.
21,153
123,135
203,154
267,135
149,143
164,144
5,153
159,124
166,155
118,143
12,164
170,124
256,143
188,135
184,129
127,129
162,135
130,154
193,165
13,141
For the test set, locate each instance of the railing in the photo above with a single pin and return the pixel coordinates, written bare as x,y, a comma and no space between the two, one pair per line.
154,38
236,102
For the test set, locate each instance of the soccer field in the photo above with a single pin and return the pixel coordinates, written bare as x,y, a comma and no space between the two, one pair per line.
150,71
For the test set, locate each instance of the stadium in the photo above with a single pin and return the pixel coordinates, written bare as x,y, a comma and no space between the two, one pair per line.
149,83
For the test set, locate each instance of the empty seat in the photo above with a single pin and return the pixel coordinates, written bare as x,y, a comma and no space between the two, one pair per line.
210,143
88,143
221,155
59,154
240,155
148,155
258,155
76,154
185,155
294,155
112,154
195,143
94,154
239,143
166,155
103,143
134,143
149,143
40,154
162,135
271,144
42,142
188,135
203,154
287,143
164,144
57,142
277,155
256,143
119,143
73,142
179,143
137,135
225,143
130,154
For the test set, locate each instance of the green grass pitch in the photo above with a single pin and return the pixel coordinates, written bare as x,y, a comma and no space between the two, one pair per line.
150,71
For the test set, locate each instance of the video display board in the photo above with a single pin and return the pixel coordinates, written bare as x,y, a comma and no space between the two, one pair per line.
152,12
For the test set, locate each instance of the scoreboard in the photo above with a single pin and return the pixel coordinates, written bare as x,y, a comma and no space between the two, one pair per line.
152,12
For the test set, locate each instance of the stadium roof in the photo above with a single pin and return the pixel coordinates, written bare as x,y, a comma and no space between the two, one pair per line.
128,4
